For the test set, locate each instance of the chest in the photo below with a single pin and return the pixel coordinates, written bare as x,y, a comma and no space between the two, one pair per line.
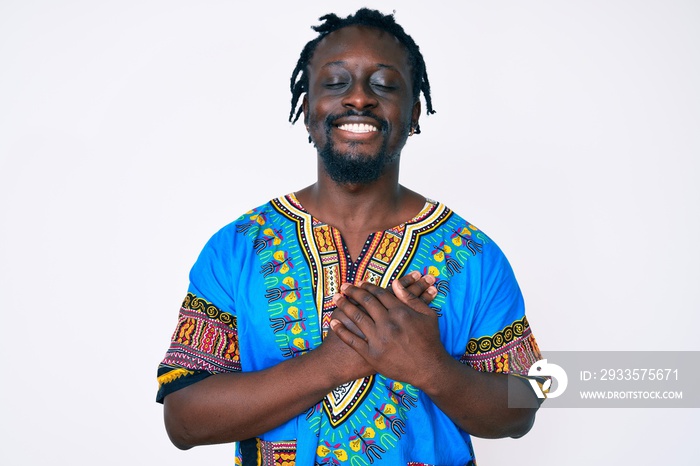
294,268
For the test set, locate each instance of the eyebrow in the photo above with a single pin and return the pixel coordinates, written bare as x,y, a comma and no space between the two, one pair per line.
342,62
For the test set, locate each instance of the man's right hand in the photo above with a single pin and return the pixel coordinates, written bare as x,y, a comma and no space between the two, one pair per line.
345,363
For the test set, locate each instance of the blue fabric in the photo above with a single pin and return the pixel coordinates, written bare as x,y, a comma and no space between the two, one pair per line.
276,268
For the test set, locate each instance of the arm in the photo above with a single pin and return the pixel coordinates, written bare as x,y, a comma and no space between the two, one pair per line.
230,407
235,406
403,342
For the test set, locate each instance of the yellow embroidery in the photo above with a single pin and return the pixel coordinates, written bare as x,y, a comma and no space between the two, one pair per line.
173,375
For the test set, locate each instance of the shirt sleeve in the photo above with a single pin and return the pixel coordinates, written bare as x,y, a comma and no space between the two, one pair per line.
205,340
501,340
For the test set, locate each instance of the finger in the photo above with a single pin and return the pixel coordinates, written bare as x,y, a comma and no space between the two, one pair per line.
357,315
349,338
384,298
410,299
418,285
371,299
349,324
428,295
422,288
410,278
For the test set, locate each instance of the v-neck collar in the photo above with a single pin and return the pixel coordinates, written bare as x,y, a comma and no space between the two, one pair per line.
427,208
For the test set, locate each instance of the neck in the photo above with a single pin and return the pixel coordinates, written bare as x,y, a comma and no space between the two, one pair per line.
361,208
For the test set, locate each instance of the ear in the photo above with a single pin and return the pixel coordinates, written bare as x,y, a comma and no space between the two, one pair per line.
415,114
305,109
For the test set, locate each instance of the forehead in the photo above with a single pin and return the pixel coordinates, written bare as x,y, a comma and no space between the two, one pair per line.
361,44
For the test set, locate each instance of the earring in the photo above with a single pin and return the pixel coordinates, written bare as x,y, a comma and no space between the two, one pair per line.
412,132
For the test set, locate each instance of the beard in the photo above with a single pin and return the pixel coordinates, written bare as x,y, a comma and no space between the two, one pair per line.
350,167
353,169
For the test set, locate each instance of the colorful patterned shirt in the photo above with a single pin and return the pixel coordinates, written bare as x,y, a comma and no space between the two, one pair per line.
261,292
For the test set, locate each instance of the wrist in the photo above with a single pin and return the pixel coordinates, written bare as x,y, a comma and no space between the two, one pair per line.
333,370
436,378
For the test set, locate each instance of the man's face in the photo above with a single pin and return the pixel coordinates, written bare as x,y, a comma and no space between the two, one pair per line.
359,107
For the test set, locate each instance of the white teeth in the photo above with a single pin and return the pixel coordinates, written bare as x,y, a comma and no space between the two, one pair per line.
358,127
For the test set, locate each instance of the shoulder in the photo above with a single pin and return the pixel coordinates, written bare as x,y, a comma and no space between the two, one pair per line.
461,232
250,222
233,235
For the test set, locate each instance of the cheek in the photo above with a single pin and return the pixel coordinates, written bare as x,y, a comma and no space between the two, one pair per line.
315,123
314,120
403,123
316,114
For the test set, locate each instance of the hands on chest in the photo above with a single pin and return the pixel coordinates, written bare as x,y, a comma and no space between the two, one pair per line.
390,331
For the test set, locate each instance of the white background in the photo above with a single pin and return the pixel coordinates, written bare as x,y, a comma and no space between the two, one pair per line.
130,131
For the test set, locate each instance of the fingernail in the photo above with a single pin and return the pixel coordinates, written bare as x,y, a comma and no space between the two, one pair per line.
415,274
334,324
336,297
431,291
344,286
430,279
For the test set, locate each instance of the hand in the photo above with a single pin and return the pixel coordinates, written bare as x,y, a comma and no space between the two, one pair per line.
415,284
346,364
402,337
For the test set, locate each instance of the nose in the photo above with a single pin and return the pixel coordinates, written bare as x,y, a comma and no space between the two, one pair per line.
360,97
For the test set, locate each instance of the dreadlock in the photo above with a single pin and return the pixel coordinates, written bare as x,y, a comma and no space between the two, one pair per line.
364,17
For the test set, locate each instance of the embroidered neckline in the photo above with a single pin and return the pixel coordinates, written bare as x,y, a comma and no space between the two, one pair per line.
428,207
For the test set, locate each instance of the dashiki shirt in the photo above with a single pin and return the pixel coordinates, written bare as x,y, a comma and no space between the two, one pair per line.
261,292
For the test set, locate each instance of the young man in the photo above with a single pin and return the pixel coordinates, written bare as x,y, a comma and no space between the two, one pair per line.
354,321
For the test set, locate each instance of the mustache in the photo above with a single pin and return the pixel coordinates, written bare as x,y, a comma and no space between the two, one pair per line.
330,119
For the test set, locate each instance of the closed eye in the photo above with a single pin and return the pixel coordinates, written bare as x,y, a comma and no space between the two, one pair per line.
335,85
384,87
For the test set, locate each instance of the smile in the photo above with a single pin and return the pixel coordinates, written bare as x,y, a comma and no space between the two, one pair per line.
358,128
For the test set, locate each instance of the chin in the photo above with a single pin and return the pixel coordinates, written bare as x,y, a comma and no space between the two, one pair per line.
353,167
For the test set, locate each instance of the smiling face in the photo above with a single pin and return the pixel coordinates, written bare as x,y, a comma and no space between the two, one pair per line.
360,106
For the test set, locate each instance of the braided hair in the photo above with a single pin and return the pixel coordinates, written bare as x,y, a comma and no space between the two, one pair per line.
299,83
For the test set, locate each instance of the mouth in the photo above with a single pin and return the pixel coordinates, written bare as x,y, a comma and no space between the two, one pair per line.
358,128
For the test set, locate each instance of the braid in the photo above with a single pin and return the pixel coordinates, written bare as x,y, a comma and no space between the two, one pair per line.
299,83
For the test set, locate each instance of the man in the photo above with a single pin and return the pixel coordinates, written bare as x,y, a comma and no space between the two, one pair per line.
354,321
